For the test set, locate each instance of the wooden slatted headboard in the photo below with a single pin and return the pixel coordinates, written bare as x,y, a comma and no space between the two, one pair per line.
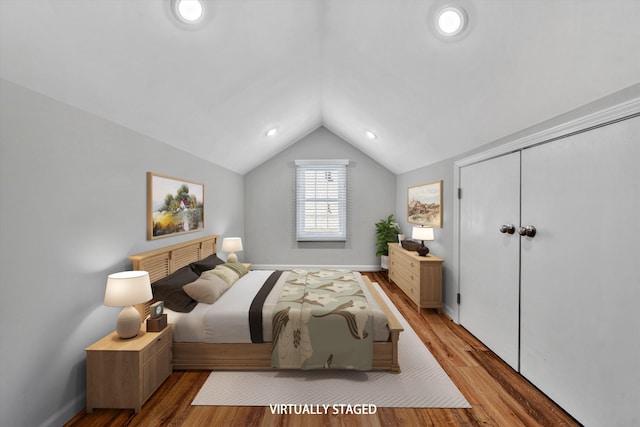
164,261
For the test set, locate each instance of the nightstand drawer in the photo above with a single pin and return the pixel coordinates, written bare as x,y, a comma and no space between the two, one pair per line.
158,345
155,371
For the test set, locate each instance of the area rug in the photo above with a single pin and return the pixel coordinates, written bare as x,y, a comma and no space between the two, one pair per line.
421,384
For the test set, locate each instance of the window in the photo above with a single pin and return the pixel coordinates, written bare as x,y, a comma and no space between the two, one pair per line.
321,200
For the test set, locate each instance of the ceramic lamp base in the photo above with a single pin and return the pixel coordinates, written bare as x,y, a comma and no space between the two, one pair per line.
128,322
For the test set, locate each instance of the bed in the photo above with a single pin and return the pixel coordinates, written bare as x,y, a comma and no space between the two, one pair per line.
191,351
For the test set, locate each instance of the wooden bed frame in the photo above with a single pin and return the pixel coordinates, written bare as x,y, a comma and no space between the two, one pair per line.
239,356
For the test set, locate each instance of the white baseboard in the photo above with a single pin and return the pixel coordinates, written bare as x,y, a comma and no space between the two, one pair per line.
451,313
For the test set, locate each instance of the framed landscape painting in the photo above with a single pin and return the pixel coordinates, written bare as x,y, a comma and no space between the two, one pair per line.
424,204
174,206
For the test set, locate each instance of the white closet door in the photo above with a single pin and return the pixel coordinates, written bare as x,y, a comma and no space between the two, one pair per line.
489,259
580,319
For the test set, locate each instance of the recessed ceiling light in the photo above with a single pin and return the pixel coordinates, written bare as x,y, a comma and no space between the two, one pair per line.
451,20
272,131
370,134
189,11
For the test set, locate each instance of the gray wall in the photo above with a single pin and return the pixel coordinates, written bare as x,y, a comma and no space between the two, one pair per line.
72,208
270,213
442,245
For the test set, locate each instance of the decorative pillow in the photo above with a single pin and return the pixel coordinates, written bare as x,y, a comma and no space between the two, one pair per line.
230,272
207,289
206,264
237,267
170,290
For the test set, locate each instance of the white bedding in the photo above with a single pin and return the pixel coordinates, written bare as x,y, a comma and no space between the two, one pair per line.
227,320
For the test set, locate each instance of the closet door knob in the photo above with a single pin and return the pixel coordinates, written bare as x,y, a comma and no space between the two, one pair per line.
507,228
528,231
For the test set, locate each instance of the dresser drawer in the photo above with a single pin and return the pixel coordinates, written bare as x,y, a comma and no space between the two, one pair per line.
412,266
393,261
409,283
401,261
420,278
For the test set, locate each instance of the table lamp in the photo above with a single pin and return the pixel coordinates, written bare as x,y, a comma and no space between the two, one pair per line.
232,245
125,289
422,234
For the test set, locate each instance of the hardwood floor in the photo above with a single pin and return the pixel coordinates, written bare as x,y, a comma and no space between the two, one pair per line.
498,395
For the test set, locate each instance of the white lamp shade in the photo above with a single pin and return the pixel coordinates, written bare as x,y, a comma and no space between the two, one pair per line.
232,244
127,288
422,233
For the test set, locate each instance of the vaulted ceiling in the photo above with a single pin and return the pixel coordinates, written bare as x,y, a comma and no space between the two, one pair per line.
348,65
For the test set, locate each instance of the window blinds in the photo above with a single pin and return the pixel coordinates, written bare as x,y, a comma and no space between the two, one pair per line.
321,200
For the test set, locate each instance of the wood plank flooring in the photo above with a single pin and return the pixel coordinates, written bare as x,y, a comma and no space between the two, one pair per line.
498,395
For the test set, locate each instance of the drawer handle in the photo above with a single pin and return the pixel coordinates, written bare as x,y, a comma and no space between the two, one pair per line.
412,264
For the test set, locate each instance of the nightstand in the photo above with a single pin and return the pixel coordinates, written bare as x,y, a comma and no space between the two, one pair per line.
124,373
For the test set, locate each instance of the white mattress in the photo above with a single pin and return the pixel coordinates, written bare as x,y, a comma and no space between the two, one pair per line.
227,320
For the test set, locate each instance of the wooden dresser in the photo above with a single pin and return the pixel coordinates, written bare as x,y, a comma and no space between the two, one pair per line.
420,278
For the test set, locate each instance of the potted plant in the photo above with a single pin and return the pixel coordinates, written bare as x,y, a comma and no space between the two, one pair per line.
386,232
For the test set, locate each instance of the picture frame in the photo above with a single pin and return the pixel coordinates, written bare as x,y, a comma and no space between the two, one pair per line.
424,204
174,206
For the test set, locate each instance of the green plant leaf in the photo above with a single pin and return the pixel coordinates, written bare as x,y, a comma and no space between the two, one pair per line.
387,231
